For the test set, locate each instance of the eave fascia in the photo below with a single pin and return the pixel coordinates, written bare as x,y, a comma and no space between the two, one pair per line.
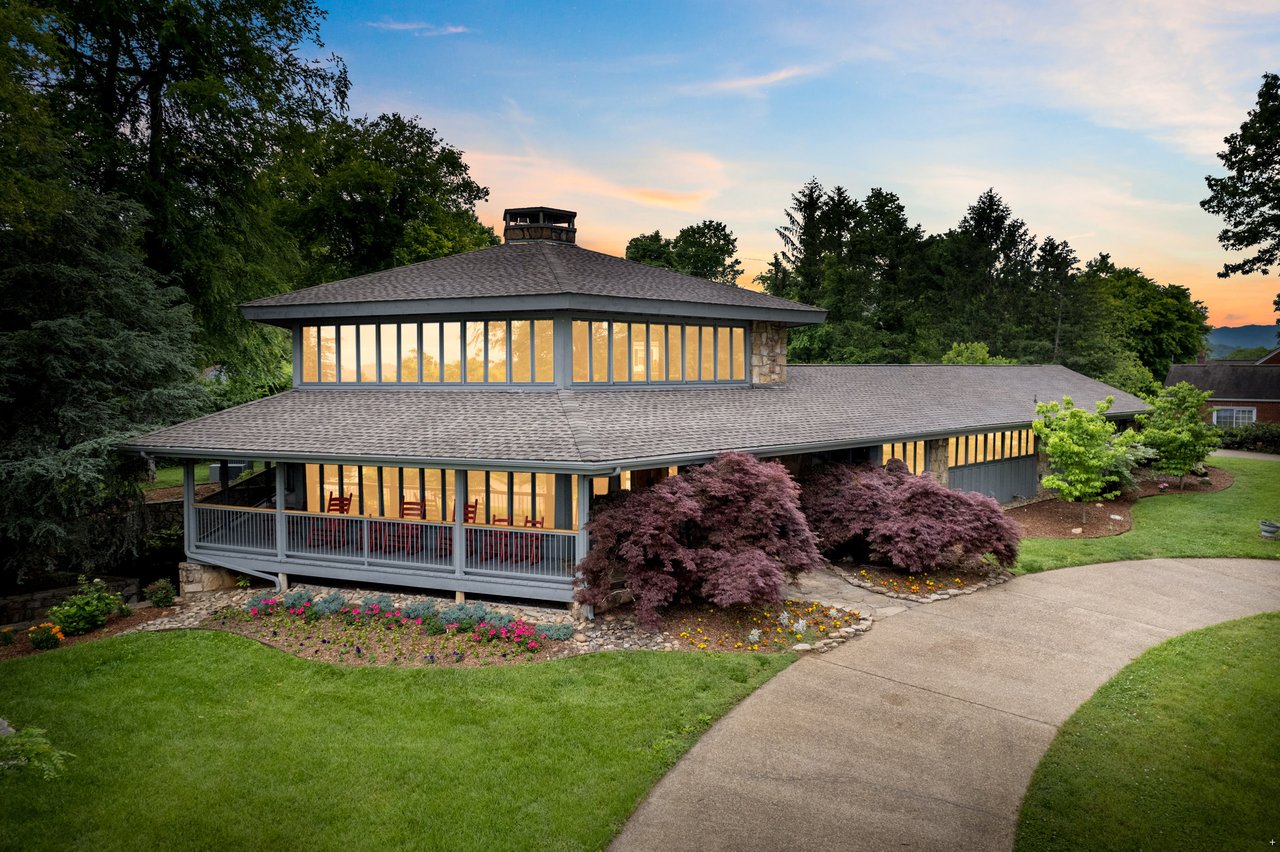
288,315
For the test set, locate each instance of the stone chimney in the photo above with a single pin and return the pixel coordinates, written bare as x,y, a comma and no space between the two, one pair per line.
526,224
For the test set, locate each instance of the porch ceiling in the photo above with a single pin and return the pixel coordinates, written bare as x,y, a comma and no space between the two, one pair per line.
820,407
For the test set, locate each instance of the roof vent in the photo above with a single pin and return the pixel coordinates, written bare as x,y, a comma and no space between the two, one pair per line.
525,224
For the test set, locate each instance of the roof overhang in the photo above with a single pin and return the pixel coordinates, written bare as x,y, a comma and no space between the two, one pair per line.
289,315
597,467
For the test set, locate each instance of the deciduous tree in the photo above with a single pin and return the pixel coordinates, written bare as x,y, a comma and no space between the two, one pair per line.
1083,449
1176,430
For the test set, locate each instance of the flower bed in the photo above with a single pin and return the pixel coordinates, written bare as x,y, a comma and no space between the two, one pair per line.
376,632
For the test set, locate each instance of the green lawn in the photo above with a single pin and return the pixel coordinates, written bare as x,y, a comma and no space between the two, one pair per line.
1220,524
166,477
203,740
1178,751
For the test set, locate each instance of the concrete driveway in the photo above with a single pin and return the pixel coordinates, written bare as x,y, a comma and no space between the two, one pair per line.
924,733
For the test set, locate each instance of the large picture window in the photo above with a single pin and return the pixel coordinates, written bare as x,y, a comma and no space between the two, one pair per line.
502,498
474,352
1234,416
606,352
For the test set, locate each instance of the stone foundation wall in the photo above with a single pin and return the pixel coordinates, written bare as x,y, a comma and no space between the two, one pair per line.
768,353
195,578
33,606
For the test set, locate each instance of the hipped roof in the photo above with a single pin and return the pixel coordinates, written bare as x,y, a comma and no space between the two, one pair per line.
819,407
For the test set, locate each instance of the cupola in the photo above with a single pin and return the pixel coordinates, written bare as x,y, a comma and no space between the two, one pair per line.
527,224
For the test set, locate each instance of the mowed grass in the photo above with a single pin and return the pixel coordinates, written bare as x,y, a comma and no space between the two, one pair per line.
1179,750
204,740
1224,523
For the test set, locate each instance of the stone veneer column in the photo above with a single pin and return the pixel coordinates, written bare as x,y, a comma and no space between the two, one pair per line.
768,353
936,460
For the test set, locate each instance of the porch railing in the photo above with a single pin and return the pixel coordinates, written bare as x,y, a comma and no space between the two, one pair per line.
487,551
237,529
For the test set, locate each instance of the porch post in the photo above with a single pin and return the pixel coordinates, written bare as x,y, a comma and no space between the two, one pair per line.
188,505
584,499
459,534
282,532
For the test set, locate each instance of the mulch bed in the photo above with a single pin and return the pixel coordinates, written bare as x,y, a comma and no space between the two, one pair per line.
704,627
115,625
1056,519
924,583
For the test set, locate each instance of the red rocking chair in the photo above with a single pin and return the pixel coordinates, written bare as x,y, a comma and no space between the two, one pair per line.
444,540
404,538
331,532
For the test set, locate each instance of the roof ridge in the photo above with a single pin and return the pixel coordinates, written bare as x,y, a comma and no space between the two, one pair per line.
569,408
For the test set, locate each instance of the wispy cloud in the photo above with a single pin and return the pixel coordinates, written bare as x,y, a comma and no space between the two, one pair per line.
539,173
754,84
418,28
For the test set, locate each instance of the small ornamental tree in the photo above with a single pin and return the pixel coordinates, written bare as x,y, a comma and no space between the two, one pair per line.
910,522
1086,454
1176,431
730,532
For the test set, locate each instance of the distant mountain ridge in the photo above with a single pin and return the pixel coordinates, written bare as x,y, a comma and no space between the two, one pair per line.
1224,340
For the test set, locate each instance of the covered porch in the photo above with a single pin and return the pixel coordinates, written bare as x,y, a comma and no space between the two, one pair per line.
496,532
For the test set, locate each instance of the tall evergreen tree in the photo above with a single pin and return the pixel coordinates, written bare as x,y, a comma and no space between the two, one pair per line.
1248,198
94,346
179,108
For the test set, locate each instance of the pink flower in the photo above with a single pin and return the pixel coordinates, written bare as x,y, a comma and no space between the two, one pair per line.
417,621
253,611
308,603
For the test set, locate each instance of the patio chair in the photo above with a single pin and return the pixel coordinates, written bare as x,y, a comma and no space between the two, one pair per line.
331,533
403,538
528,546
444,540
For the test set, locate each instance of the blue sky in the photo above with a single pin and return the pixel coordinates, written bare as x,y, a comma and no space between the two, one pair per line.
1096,121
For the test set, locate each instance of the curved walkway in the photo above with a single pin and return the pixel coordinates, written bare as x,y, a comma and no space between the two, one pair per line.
924,733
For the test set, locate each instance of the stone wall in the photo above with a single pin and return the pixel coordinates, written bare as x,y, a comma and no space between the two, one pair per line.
195,578
33,606
936,460
768,353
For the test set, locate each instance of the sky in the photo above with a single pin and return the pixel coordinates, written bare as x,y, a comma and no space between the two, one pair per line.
1096,121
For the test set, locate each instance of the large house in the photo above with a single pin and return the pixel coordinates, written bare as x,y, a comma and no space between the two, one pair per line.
1244,392
451,422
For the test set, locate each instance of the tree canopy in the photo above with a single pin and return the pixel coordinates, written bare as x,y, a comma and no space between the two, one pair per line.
1248,197
705,250
894,294
161,163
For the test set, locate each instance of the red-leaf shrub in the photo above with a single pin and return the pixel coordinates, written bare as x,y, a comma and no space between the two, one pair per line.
730,532
909,522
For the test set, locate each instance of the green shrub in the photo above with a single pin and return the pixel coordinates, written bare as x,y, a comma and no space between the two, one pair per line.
559,632
6,637
28,750
330,604
381,601
1176,431
296,598
86,610
1258,437
44,637
161,593
465,615
419,609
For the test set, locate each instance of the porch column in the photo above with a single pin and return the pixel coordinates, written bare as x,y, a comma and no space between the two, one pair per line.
188,505
282,531
584,501
459,534
936,460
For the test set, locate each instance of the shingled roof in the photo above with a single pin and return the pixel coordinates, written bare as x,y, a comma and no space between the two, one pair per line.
1230,380
541,275
820,407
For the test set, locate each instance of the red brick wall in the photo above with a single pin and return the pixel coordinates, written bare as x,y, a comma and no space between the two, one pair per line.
1268,412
